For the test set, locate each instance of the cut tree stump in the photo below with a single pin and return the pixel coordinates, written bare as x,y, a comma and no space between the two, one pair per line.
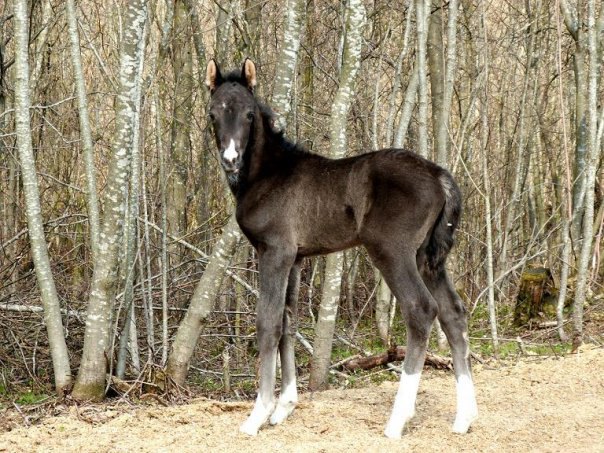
537,296
393,355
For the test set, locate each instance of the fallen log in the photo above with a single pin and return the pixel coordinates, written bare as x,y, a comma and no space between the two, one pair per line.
393,355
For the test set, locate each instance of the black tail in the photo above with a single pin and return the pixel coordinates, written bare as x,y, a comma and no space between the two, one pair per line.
442,239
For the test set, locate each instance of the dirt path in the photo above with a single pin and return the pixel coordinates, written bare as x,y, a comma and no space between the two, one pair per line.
535,405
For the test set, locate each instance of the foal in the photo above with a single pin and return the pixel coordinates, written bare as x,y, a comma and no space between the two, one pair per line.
292,204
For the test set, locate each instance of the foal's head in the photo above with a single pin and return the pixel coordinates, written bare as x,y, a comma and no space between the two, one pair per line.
233,112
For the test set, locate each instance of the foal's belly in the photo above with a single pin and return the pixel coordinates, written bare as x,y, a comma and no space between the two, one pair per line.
313,250
327,232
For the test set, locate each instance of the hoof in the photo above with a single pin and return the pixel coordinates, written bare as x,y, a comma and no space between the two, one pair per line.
281,413
462,424
393,433
249,428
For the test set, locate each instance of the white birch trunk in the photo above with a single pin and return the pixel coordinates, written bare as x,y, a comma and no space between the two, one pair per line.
398,75
85,132
351,61
128,261
521,155
422,10
295,17
40,42
566,195
407,110
441,133
383,302
590,177
90,383
487,195
39,249
180,145
202,302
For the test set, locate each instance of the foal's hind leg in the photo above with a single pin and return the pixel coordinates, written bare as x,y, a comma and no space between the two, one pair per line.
452,317
274,265
419,310
289,394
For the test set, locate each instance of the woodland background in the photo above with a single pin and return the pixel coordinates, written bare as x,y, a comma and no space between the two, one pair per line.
506,94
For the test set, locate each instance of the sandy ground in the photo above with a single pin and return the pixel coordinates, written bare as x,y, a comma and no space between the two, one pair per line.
537,404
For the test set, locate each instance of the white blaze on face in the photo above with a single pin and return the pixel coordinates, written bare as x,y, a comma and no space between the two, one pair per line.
230,153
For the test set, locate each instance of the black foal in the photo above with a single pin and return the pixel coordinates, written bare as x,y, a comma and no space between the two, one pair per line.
292,204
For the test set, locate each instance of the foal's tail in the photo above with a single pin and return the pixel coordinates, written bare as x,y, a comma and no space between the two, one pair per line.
441,241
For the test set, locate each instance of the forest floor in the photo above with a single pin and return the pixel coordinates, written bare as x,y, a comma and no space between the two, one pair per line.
534,404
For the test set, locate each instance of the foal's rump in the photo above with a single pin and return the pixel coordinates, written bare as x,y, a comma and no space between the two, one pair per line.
404,197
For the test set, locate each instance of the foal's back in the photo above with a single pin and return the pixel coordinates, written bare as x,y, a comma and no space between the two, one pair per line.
322,205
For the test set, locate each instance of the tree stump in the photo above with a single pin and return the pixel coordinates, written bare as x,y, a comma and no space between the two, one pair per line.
536,297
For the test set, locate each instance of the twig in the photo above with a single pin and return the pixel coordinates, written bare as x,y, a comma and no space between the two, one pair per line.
25,417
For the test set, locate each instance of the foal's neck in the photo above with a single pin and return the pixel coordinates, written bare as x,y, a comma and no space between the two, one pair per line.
263,157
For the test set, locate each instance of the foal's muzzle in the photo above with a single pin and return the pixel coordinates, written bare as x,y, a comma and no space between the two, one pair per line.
230,158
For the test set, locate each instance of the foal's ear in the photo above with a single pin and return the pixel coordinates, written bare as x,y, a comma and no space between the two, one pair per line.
248,73
213,76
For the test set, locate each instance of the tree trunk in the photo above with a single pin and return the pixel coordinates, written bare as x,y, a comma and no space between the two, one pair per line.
396,83
441,133
591,165
180,146
422,11
566,197
128,260
224,9
383,301
288,55
436,63
484,138
85,132
407,110
39,249
330,299
523,152
202,302
441,82
90,383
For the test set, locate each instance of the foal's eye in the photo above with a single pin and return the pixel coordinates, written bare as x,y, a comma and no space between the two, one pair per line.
211,116
250,116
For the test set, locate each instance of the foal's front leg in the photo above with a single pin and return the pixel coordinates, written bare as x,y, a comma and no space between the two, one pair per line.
289,393
274,266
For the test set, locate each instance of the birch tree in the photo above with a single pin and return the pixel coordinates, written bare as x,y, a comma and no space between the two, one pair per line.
85,131
484,143
202,302
39,248
593,148
443,66
523,153
442,75
572,19
396,83
567,200
128,257
330,297
295,13
180,145
436,64
422,11
90,383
